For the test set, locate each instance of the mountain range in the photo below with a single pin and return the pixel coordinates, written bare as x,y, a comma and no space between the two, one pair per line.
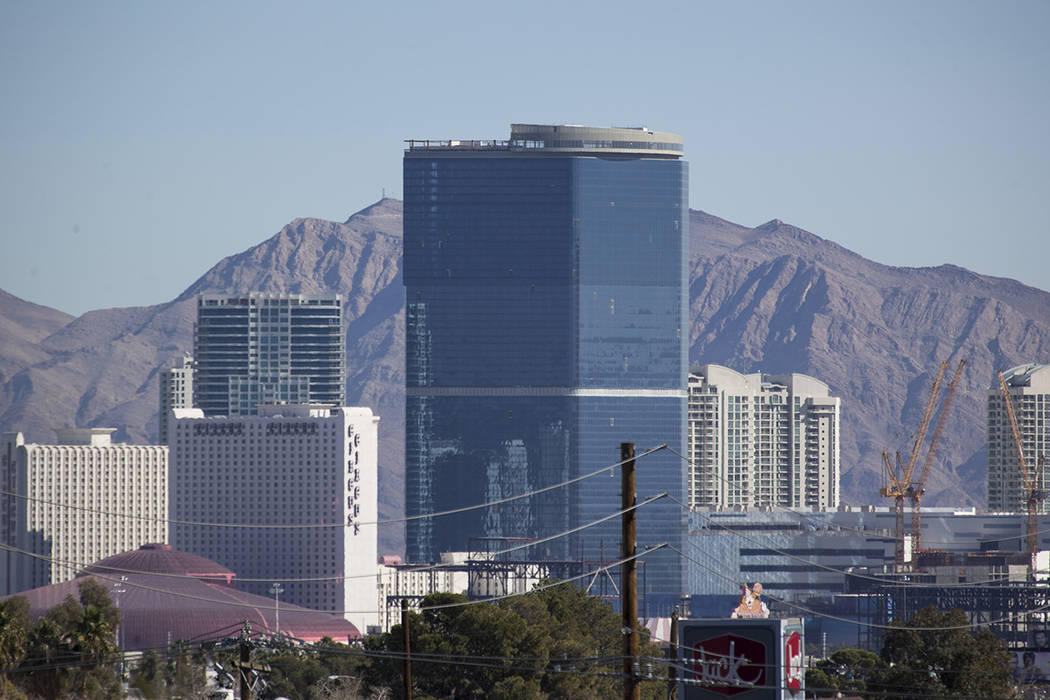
773,298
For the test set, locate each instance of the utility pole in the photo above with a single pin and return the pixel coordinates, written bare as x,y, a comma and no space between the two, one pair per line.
408,651
119,590
244,664
672,652
629,574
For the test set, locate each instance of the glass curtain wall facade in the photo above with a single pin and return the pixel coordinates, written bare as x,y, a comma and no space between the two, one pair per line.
546,316
265,349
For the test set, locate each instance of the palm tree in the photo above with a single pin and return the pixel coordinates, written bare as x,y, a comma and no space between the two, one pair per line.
94,637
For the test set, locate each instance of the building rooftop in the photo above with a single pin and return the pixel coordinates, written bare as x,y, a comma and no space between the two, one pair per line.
563,139
1021,375
85,436
169,595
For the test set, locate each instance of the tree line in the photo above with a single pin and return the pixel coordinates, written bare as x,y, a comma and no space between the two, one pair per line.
556,642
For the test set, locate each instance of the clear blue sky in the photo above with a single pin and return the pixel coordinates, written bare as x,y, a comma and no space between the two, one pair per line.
140,142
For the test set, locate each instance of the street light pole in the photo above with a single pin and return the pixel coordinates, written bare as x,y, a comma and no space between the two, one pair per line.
277,590
119,590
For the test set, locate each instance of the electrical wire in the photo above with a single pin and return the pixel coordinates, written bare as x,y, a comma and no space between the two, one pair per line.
832,569
828,524
291,526
298,610
843,572
440,566
860,623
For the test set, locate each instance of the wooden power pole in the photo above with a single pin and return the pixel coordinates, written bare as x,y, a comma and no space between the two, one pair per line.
245,667
629,574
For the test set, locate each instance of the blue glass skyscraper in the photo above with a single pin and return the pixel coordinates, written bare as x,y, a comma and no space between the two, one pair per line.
546,323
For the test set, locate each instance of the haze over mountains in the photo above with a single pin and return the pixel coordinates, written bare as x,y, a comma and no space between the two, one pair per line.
774,298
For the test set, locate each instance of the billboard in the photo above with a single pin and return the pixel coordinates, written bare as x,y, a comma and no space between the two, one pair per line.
743,659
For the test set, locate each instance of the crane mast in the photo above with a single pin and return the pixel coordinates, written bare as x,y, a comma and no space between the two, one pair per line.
900,480
918,487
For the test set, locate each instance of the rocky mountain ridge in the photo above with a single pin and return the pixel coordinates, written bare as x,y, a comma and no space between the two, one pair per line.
773,298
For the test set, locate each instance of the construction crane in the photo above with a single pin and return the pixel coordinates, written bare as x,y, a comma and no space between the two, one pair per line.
900,480
1031,482
918,487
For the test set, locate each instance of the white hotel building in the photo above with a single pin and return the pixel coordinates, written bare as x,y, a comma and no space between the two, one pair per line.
759,440
75,502
312,468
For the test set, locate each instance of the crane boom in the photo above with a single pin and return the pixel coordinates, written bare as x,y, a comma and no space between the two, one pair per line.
918,487
1026,476
900,480
1032,483
924,424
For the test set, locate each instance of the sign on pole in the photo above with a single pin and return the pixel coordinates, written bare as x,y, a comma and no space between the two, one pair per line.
744,659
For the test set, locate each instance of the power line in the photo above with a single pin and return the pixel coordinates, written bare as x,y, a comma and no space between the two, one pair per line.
814,563
292,526
814,613
441,566
538,588
832,569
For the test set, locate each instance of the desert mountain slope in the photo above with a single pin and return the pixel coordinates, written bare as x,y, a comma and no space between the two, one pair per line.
774,298
786,300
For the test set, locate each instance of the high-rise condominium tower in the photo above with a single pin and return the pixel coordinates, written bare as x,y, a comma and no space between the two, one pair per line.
762,440
264,349
546,324
1029,387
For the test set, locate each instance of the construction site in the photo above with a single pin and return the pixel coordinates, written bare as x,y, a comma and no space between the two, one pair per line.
1001,586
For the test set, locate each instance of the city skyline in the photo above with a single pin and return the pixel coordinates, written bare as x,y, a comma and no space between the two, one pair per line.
141,146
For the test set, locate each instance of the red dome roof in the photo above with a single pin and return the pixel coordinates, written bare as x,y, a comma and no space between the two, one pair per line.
162,559
167,595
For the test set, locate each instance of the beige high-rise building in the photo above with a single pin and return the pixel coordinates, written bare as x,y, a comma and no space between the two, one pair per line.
1029,387
762,440
72,503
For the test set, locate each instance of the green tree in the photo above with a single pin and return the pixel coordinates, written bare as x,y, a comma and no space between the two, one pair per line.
46,671
554,642
327,670
847,671
72,649
14,638
184,673
935,655
147,676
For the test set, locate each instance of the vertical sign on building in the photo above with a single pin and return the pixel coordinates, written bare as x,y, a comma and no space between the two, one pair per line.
353,481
